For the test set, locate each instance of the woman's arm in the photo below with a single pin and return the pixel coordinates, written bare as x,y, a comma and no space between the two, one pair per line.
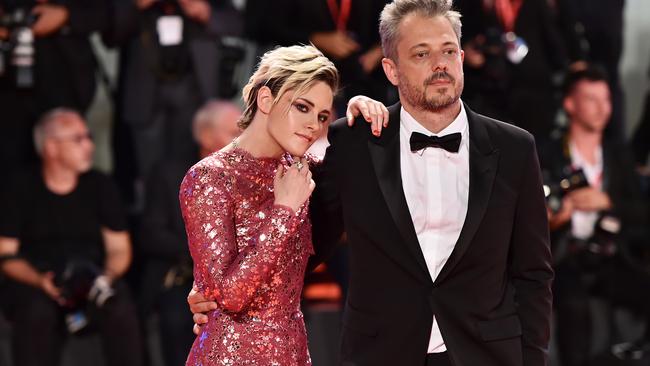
222,272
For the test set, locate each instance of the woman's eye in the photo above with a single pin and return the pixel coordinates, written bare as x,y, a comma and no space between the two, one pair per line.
302,108
322,118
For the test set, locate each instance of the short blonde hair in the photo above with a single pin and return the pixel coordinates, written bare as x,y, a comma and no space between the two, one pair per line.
396,11
282,69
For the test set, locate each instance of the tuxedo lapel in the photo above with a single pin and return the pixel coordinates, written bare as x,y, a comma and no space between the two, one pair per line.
483,160
385,154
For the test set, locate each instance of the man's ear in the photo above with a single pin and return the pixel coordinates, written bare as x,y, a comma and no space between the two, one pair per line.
390,69
264,100
569,105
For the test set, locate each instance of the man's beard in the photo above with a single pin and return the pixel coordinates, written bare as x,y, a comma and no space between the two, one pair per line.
418,99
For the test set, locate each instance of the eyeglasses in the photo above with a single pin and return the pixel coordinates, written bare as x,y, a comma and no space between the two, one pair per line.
76,138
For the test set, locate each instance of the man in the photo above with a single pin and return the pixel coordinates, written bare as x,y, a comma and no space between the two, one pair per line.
596,220
503,80
64,245
449,255
167,275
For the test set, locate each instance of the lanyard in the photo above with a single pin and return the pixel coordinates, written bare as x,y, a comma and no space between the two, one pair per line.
340,15
507,11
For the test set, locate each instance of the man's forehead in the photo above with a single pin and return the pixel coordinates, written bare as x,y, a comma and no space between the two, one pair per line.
418,29
69,122
591,86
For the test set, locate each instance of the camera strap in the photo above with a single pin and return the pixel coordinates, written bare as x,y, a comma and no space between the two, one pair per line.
507,11
340,14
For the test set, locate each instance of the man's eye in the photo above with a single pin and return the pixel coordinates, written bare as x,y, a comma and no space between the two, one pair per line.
421,54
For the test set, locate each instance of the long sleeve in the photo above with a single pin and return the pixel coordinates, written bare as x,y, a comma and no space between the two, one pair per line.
530,267
224,271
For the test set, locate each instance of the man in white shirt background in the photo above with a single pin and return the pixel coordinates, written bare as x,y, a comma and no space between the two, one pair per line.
594,216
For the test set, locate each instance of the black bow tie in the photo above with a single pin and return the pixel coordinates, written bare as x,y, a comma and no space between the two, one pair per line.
449,142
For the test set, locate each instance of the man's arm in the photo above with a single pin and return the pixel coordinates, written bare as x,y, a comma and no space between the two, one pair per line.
20,270
117,245
530,267
325,205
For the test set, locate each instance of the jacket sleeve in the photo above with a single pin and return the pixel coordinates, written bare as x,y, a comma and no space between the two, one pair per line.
87,16
123,22
325,204
224,271
530,263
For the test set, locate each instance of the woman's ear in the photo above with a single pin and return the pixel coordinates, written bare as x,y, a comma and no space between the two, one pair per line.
264,100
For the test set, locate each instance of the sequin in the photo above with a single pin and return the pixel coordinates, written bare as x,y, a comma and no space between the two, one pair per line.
250,257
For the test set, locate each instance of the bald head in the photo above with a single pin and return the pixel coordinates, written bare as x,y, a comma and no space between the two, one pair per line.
62,139
215,125
51,123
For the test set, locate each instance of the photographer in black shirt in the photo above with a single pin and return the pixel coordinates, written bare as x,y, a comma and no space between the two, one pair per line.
64,245
597,206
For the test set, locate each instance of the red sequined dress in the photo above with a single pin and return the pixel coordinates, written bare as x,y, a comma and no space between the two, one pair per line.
250,257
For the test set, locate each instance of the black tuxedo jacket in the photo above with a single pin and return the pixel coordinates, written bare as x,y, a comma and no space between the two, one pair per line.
492,299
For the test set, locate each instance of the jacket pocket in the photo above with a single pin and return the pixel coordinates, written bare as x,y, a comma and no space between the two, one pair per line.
360,322
501,328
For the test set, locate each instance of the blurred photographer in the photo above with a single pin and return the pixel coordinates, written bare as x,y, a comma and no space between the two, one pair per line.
172,57
64,245
594,202
46,61
512,50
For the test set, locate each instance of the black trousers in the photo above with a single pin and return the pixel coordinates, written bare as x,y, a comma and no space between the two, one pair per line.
438,359
39,328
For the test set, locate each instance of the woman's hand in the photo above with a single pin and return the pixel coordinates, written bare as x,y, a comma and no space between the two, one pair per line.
293,186
373,112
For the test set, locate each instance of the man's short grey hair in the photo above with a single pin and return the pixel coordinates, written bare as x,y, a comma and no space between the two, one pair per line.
395,12
209,113
46,125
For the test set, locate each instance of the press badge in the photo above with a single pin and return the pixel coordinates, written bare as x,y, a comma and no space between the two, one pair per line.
170,30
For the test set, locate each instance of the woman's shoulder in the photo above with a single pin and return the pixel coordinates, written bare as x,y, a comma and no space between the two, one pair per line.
214,169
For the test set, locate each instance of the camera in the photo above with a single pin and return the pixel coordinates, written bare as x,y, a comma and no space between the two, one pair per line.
17,52
83,289
571,180
602,244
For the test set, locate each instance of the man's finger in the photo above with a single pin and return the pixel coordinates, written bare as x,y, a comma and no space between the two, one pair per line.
200,318
202,307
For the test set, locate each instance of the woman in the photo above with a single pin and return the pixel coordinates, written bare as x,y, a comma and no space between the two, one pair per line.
245,214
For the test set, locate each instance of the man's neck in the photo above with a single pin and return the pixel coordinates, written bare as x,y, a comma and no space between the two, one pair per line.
434,121
586,141
58,179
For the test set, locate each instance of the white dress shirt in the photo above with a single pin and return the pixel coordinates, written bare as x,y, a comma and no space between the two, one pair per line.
436,186
584,222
